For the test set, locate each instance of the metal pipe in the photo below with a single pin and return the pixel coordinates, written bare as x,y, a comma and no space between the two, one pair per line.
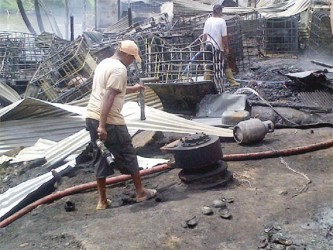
129,14
119,14
72,27
66,19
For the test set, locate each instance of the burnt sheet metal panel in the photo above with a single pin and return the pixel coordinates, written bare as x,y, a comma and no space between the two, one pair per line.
182,98
317,98
214,105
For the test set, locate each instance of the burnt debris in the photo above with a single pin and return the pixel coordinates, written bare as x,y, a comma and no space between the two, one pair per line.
50,68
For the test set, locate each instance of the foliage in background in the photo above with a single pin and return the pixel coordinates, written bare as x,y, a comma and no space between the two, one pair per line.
8,5
11,5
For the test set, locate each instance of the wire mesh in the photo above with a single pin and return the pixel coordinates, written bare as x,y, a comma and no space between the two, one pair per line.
281,36
189,23
174,63
65,75
252,38
321,39
20,55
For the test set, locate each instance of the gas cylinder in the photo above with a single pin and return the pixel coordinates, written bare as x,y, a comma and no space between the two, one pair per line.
252,131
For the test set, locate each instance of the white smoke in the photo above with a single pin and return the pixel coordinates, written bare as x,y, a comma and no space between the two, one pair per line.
168,8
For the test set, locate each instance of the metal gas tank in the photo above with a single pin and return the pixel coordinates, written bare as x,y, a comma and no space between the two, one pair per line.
195,151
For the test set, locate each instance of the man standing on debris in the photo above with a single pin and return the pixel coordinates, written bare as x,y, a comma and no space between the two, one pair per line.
104,121
216,27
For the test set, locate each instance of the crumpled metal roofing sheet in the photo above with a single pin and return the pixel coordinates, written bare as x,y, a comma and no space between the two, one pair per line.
7,93
26,132
285,9
157,120
33,108
37,151
266,8
183,8
119,26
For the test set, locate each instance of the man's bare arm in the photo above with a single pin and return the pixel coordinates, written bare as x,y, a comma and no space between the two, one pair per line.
225,44
106,104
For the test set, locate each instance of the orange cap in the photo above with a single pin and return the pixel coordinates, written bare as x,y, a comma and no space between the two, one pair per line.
129,47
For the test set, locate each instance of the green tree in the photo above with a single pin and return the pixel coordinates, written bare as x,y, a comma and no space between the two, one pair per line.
8,5
11,5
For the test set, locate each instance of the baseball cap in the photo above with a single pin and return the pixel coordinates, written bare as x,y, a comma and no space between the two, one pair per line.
217,7
129,47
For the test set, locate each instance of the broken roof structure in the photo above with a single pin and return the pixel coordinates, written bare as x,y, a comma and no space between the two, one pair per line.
44,115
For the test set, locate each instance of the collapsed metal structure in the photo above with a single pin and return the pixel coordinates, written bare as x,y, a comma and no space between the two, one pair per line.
320,31
56,70
65,75
21,53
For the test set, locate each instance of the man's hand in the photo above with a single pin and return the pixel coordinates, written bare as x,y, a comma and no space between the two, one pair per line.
135,88
102,134
138,87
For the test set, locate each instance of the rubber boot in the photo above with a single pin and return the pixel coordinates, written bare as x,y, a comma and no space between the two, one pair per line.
230,78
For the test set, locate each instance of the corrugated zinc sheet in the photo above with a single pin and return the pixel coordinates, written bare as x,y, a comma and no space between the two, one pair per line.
157,120
7,93
119,26
33,108
285,9
26,132
183,8
268,9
